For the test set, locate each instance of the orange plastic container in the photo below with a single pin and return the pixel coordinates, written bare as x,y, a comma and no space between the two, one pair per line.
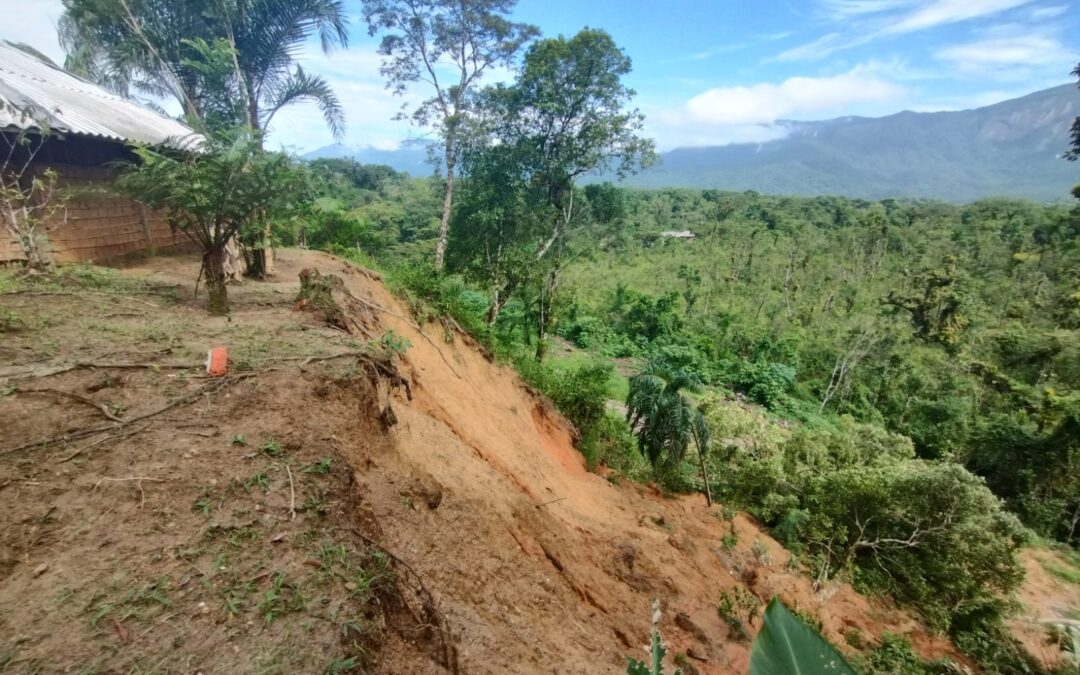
217,362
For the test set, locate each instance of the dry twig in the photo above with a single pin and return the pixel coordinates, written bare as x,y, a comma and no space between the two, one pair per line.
110,437
292,495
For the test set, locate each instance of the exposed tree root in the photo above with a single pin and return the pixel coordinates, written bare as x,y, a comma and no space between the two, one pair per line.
103,409
432,616
348,312
212,387
380,368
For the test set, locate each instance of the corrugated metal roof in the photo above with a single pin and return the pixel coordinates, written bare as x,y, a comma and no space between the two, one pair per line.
33,92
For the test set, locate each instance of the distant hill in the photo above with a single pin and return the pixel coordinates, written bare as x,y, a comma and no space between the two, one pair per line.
411,160
1011,148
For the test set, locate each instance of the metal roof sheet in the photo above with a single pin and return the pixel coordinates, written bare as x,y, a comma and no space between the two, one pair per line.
34,93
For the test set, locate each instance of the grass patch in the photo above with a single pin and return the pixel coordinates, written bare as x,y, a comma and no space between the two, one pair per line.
1066,572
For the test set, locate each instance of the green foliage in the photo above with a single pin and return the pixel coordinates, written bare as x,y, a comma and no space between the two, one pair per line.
321,467
579,393
854,499
29,198
826,306
766,383
609,442
786,645
392,343
469,38
931,535
738,608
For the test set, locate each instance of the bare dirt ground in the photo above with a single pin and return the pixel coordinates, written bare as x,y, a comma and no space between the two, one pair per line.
1045,597
234,532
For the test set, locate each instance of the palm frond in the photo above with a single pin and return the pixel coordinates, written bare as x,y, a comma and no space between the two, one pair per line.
664,421
303,86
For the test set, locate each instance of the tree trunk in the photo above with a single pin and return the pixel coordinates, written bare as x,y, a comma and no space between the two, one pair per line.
705,476
497,303
31,248
216,290
18,225
444,224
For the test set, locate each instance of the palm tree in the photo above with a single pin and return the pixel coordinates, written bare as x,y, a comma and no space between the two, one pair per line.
664,420
229,59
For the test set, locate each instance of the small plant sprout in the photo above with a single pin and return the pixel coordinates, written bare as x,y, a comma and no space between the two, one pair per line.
270,448
321,467
203,505
393,344
239,439
655,649
260,480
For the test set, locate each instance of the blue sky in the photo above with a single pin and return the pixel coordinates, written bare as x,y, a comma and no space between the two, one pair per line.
725,71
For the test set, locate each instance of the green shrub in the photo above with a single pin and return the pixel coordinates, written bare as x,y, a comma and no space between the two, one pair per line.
586,332
766,383
855,500
609,442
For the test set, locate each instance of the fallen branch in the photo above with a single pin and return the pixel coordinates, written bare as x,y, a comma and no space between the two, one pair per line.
85,365
129,478
553,501
102,408
112,297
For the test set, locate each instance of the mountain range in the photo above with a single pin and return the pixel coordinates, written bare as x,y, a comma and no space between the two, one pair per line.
1012,148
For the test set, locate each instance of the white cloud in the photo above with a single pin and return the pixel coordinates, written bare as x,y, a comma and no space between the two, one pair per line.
895,69
36,27
706,54
1048,12
1022,50
819,48
765,103
869,20
750,114
846,9
941,12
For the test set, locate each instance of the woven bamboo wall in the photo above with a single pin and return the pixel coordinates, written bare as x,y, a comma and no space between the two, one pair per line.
98,226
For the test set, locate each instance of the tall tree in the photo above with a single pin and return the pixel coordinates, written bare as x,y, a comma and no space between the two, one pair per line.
208,54
447,46
568,114
664,420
